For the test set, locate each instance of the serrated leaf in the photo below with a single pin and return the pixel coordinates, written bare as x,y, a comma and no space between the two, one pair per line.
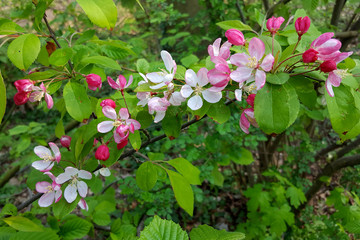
146,176
101,218
63,208
163,230
189,171
183,192
278,78
23,224
24,50
189,60
296,196
142,65
8,209
47,234
135,140
102,61
226,25
101,12
206,232
77,102
8,27
61,56
75,228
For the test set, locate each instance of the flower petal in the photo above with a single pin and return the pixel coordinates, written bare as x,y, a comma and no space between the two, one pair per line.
329,89
71,171
244,123
191,78
334,79
56,151
159,116
260,79
109,112
130,81
50,175
241,74
105,126
70,193
157,86
239,59
46,199
186,91
42,187
136,124
112,83
156,77
195,102
49,101
58,195
42,151
256,48
42,165
63,177
84,174
202,77
105,172
124,114
267,62
82,188
322,39
168,60
83,205
211,97
238,94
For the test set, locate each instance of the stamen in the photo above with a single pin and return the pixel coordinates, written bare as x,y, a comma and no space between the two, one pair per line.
253,63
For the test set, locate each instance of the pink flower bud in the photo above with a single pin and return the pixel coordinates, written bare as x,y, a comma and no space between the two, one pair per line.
310,55
235,37
108,102
65,141
24,85
328,66
102,153
273,24
122,144
93,81
21,98
302,25
250,100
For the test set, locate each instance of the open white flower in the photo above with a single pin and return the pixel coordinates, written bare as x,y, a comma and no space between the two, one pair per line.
194,86
47,157
75,184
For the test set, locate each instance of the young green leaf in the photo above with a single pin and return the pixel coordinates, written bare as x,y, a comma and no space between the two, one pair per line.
75,228
189,171
8,27
226,25
146,176
61,56
206,232
23,224
102,61
77,102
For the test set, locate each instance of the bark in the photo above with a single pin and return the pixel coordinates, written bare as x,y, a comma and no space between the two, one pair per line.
339,5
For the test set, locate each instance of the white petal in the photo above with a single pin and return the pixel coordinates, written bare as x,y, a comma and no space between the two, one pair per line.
56,151
260,78
202,77
109,112
105,172
83,205
212,97
41,165
191,78
186,91
168,60
160,85
238,94
82,188
195,102
84,174
70,193
63,177
156,77
124,114
58,195
159,116
46,199
42,151
329,88
71,171
105,126
241,74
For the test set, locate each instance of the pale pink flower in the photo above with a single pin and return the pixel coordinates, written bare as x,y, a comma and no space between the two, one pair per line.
120,83
194,87
326,45
143,97
83,205
219,77
75,185
51,191
250,67
247,116
38,93
108,102
48,157
215,50
165,77
158,105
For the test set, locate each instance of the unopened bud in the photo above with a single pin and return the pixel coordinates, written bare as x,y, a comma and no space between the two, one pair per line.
108,102
235,37
310,56
102,153
65,141
328,66
93,81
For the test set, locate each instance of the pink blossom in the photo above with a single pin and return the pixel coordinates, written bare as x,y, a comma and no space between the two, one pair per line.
219,77
165,77
83,205
75,185
247,116
51,191
122,144
102,153
302,25
215,50
158,105
108,102
251,67
93,81
328,66
120,83
143,97
38,93
194,87
273,24
49,158
310,55
24,85
21,98
235,37
326,45
122,123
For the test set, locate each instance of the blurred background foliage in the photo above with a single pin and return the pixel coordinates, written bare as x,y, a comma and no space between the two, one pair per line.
254,183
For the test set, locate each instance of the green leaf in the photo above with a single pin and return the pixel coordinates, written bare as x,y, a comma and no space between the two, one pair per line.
206,232
353,226
146,176
189,171
101,218
102,61
61,56
8,27
24,50
101,12
171,125
18,130
59,129
114,154
189,60
145,119
47,234
278,78
344,111
77,102
63,208
75,228
163,230
142,65
183,192
296,196
218,177
276,107
226,25
8,209
135,140
268,45
2,98
219,112
277,221
258,198
245,157
23,224
39,14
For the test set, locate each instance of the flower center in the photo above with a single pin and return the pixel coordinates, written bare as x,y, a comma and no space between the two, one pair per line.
48,158
342,73
49,189
250,88
198,90
38,96
117,123
253,63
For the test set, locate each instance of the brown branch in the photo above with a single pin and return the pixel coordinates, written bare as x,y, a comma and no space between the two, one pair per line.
346,34
338,7
239,8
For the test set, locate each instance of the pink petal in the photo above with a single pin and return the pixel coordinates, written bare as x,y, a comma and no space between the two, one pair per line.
42,187
121,81
329,88
334,79
56,151
70,193
136,124
46,199
124,114
241,74
329,47
109,112
49,101
219,60
321,39
342,56
186,91
83,205
225,50
50,175
217,78
105,126
239,59
42,151
58,195
213,50
222,67
249,112
130,81
202,77
84,174
168,60
244,123
112,83
267,62
256,48
211,97
131,128
82,188
260,79
191,78
195,102
176,99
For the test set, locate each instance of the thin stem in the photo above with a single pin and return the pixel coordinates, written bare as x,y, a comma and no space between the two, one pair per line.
286,60
304,72
122,93
129,69
297,43
272,49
